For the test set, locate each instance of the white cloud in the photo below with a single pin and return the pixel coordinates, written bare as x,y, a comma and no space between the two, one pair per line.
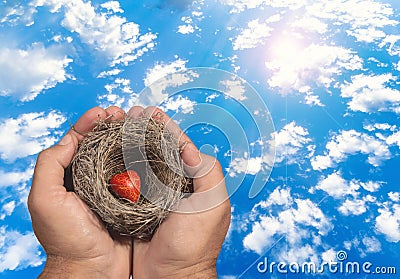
7,209
296,219
112,6
371,186
238,6
348,191
161,70
18,251
299,254
368,244
379,126
290,142
388,222
347,245
372,244
252,165
363,19
211,97
294,60
377,62
111,35
371,93
312,100
294,67
356,206
234,88
278,197
185,29
14,12
394,139
389,134
123,83
254,35
350,143
189,26
112,72
336,186
11,178
311,24
15,185
180,103
241,5
111,99
162,78
394,196
368,35
27,72
397,66
119,93
28,134
329,256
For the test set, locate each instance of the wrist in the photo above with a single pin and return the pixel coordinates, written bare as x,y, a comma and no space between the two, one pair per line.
209,273
59,267
175,272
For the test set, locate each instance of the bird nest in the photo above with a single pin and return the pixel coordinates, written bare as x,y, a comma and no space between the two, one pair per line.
142,145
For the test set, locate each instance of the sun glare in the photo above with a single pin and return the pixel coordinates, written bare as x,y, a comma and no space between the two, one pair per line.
285,48
284,59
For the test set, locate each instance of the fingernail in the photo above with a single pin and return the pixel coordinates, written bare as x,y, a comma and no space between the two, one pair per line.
67,139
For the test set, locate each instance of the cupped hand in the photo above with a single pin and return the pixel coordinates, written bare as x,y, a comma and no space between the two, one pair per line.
188,242
76,242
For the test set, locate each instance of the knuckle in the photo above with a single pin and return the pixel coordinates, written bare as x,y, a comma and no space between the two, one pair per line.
226,212
217,165
111,108
32,203
210,163
44,155
151,110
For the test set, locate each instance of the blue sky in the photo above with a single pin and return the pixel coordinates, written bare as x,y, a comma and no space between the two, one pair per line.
328,72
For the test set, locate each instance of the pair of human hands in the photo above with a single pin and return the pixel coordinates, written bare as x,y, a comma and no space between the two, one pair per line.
77,244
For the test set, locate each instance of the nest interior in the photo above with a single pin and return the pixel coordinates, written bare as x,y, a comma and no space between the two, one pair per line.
142,145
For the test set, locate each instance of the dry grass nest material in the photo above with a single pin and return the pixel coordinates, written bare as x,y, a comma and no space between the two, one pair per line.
142,145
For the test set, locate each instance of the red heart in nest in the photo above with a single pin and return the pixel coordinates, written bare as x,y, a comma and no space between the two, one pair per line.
126,185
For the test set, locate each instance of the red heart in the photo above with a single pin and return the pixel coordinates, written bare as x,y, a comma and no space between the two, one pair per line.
126,185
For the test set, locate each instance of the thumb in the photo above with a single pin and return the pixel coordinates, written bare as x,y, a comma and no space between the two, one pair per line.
66,150
50,165
195,163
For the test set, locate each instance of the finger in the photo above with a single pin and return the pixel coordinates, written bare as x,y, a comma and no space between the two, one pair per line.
50,165
189,152
87,122
196,165
109,114
114,113
136,112
48,177
159,116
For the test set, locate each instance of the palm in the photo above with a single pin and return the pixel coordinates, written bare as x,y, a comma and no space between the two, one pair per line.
70,233
187,243
183,240
77,220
